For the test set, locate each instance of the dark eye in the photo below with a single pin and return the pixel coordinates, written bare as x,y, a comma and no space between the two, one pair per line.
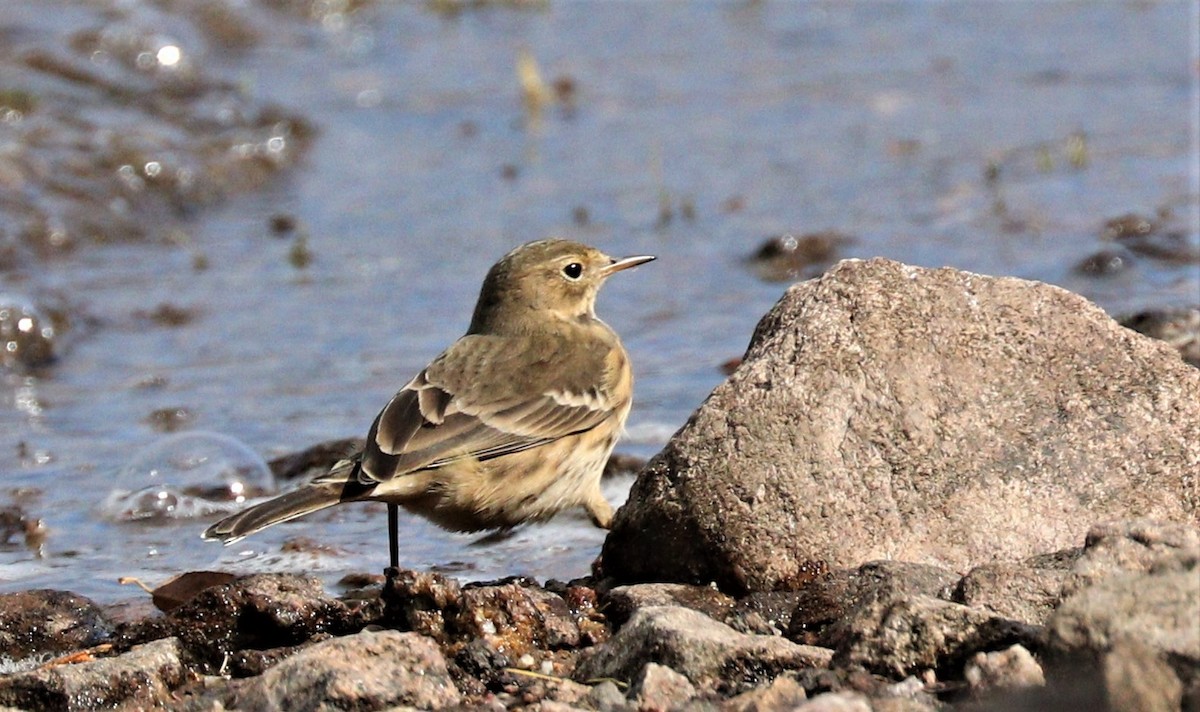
573,270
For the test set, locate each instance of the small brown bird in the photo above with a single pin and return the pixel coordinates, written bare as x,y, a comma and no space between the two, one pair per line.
511,424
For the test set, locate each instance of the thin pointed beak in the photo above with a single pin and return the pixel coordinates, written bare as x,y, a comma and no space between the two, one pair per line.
625,263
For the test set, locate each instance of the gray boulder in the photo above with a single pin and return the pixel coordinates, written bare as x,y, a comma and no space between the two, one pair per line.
933,416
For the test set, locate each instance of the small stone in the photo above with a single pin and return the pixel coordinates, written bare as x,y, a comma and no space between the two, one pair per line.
1020,591
837,702
658,688
1013,668
899,635
622,602
703,650
606,697
783,693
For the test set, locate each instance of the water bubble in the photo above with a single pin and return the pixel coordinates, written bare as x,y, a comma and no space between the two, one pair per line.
187,475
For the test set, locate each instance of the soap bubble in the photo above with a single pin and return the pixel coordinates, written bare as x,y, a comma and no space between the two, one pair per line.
186,475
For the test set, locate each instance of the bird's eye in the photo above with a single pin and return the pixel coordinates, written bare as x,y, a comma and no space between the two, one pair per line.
573,271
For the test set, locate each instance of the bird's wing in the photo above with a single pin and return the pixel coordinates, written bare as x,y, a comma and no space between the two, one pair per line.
485,398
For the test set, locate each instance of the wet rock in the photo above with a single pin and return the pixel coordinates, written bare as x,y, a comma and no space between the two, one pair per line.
255,612
898,635
932,416
763,612
1180,328
788,257
16,522
516,619
169,138
1150,237
29,334
1136,581
170,420
658,688
705,651
1104,263
167,314
140,679
364,671
622,602
48,621
1023,591
835,595
783,693
1004,669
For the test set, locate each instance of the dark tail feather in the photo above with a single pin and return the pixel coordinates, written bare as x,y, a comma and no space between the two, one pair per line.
306,500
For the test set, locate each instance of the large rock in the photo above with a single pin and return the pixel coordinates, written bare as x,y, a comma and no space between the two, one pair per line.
365,671
933,416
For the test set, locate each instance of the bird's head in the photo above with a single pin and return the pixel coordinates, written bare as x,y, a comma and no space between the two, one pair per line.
545,279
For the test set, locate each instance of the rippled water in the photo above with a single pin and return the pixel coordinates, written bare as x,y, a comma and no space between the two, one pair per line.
993,136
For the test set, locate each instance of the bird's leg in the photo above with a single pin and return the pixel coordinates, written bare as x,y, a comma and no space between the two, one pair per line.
392,612
393,569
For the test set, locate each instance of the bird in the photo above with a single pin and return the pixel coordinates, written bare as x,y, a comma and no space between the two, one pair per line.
512,423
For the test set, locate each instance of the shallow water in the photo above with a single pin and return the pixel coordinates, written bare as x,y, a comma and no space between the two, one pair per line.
697,131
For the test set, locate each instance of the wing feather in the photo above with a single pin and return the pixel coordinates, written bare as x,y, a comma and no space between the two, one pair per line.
457,409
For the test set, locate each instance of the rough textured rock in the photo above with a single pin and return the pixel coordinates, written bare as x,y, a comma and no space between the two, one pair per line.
1026,591
658,688
1013,668
48,621
255,612
833,596
1138,546
365,671
934,416
897,635
141,678
1137,680
784,693
516,619
622,602
1159,608
703,650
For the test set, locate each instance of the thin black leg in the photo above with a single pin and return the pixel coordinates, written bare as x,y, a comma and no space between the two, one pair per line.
392,610
394,536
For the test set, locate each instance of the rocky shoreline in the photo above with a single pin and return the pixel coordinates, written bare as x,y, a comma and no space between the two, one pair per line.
920,490
1109,625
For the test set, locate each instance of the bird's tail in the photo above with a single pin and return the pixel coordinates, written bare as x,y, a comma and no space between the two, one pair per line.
340,484
306,500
